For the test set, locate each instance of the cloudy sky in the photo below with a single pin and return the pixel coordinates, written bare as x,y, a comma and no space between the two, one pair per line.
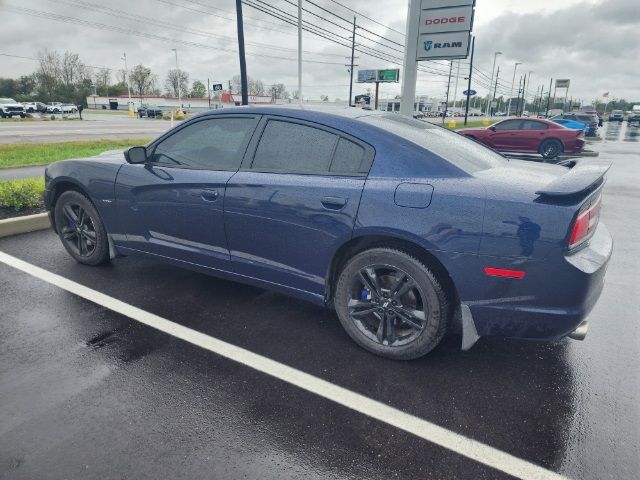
595,43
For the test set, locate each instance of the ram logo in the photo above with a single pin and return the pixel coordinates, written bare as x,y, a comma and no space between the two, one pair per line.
428,45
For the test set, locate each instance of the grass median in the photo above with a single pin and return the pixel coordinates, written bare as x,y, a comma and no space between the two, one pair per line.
26,155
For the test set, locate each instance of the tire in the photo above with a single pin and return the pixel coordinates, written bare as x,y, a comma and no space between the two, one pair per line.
550,148
22,115
80,229
4,115
364,299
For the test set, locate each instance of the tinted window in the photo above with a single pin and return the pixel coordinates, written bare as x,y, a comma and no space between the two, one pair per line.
214,144
291,147
465,154
533,125
348,158
508,125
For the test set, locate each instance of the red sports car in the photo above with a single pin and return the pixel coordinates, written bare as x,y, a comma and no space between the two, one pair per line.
528,135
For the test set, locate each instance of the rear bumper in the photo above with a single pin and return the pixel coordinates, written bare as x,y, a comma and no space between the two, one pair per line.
553,299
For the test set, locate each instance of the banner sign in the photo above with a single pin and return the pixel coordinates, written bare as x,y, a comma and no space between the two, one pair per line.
374,76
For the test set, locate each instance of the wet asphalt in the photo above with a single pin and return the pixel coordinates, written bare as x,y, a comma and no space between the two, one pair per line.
88,393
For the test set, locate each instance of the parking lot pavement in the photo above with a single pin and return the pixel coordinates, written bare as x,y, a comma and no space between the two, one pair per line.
93,126
87,392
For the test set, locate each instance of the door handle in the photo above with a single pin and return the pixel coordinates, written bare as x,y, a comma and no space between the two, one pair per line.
334,203
209,195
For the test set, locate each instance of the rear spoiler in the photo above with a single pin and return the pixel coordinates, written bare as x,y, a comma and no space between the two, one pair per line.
580,178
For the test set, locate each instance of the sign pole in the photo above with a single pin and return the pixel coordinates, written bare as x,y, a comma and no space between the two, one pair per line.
375,105
410,65
300,52
244,84
546,112
446,103
466,109
209,93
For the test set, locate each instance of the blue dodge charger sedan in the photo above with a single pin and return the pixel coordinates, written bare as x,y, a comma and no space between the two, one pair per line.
402,227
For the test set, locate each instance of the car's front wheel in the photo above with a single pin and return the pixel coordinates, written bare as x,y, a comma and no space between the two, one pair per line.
391,304
80,229
551,148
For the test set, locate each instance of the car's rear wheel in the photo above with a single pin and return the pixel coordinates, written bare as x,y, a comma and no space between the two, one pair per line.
550,148
391,304
80,229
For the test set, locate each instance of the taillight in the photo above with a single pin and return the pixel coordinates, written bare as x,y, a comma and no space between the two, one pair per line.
585,223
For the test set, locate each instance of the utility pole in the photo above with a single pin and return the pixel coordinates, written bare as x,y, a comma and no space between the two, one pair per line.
209,93
493,70
518,97
495,88
466,110
244,84
446,103
455,89
546,113
524,98
513,81
175,50
126,78
300,52
351,64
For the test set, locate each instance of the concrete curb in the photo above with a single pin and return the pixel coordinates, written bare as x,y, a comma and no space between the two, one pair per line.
28,223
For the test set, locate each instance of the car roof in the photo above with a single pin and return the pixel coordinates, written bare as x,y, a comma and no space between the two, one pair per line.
315,112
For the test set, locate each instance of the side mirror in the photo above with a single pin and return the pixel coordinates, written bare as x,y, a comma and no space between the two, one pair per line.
136,155
492,128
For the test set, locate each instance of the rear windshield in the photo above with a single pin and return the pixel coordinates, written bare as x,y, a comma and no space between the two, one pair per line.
462,152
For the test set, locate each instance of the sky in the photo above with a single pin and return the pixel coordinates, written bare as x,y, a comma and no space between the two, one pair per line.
595,43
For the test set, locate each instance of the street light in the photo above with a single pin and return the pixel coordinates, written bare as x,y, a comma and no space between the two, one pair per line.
126,79
515,67
493,71
174,50
526,86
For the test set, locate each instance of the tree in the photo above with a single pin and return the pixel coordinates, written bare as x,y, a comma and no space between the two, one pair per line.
198,89
177,83
141,80
48,74
324,98
256,87
278,91
103,80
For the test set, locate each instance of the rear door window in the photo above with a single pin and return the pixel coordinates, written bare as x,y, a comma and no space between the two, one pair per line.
509,125
533,125
292,147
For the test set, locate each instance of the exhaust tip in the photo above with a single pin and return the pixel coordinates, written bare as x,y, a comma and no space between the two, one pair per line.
581,332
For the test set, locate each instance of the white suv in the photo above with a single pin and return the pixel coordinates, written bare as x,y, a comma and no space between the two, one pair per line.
9,108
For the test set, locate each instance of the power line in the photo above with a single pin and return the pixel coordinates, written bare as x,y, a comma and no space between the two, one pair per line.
368,18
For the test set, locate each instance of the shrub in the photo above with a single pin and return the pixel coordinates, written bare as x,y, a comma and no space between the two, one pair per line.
21,194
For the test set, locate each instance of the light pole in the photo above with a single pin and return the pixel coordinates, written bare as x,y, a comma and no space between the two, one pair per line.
526,86
175,50
493,71
126,79
513,80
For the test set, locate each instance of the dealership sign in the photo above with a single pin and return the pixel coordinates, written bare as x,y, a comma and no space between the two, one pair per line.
444,30
440,20
469,93
443,45
562,82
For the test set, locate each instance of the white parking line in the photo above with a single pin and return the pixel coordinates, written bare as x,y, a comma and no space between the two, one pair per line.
428,431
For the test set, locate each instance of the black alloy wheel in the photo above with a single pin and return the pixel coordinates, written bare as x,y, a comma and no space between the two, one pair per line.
391,304
80,229
550,148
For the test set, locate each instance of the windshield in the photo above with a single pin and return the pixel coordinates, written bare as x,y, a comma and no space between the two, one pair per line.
462,152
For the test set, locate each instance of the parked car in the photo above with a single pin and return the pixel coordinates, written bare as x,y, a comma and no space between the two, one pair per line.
500,114
634,118
572,124
69,108
616,116
589,119
400,225
150,111
528,136
10,108
54,107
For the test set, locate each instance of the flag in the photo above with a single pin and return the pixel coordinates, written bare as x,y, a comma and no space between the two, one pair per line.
605,94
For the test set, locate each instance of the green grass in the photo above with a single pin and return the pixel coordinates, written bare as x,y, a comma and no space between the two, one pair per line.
470,124
26,155
21,194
